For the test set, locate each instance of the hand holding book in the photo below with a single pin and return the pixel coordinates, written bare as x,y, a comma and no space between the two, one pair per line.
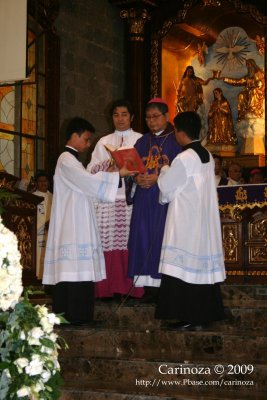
124,172
128,158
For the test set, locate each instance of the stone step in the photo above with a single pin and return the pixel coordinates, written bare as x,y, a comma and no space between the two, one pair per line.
163,345
120,360
101,395
164,379
244,296
135,314
93,395
234,296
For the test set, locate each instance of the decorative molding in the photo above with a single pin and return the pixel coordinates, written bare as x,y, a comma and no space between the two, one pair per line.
230,242
235,209
233,213
246,273
257,239
154,69
134,2
22,227
136,20
155,46
249,9
241,195
213,3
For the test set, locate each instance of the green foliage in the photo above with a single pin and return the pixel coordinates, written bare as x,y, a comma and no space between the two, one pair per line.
28,351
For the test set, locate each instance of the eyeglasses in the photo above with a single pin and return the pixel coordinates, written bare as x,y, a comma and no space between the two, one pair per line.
153,117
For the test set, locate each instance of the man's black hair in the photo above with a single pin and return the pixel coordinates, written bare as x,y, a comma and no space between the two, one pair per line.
188,122
162,107
40,174
78,125
121,103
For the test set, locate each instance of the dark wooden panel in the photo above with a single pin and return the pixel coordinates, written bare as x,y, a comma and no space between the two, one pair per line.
20,216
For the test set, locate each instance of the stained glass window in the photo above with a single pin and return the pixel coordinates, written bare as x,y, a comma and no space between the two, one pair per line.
23,112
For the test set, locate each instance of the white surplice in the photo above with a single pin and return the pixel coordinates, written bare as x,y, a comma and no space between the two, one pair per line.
74,252
101,158
114,233
192,244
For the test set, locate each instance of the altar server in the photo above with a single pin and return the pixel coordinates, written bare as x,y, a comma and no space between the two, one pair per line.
74,257
192,261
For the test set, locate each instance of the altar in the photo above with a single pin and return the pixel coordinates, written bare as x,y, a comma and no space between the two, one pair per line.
210,57
243,212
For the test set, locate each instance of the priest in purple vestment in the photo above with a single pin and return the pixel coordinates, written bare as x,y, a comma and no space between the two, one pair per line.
158,147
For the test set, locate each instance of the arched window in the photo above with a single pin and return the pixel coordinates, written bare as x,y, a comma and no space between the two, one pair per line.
29,108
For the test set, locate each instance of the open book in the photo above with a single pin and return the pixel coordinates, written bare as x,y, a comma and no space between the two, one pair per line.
126,155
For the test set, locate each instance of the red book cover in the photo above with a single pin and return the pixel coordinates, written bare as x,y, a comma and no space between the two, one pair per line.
128,156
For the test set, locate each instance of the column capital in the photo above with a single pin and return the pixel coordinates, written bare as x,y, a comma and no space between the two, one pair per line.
136,19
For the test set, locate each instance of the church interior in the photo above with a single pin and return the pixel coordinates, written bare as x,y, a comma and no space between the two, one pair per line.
79,56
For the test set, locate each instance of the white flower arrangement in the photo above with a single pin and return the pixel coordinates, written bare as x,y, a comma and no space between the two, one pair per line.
10,269
29,367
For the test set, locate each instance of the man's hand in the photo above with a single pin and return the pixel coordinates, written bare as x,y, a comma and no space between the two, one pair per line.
113,168
125,172
145,181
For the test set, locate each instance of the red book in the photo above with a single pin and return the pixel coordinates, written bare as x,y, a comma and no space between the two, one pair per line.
127,155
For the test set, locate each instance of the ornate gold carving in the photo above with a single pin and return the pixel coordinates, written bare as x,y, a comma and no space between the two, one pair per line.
155,53
22,227
258,255
246,273
231,212
23,204
20,204
214,3
154,69
257,239
259,229
250,9
265,192
230,242
136,21
7,184
241,194
234,210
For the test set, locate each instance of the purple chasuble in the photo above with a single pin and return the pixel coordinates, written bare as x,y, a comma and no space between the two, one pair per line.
148,216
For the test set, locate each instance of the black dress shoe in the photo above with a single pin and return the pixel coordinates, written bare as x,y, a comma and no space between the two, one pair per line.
151,295
185,326
176,326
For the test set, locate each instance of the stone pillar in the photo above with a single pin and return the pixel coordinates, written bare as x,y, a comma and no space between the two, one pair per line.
136,19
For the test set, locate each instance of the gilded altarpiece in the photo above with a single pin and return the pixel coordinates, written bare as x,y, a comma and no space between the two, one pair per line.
243,211
216,39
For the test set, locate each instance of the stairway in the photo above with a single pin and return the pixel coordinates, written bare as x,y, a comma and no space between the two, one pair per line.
132,358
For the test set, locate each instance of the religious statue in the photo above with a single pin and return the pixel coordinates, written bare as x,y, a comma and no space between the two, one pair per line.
220,121
260,43
190,92
250,126
202,50
251,98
